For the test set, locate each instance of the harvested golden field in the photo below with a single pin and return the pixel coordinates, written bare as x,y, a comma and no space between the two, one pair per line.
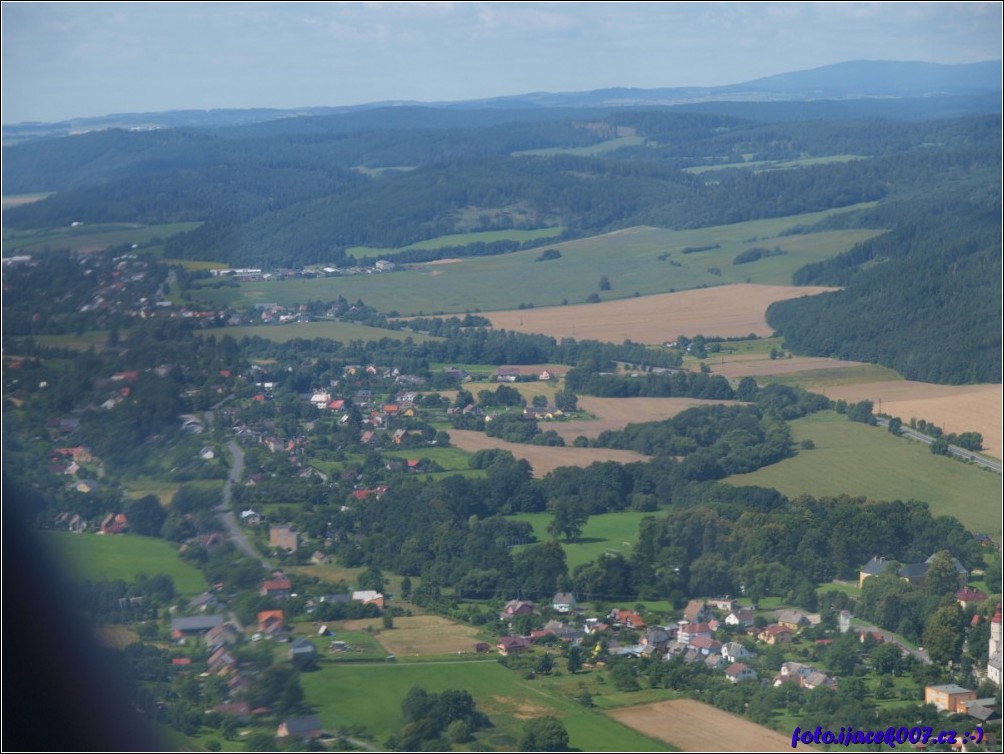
759,365
695,726
418,635
724,311
616,413
541,457
954,408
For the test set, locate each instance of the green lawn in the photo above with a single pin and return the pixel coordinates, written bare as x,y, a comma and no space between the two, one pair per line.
593,149
460,239
370,695
641,260
343,331
88,237
95,557
451,459
859,460
609,532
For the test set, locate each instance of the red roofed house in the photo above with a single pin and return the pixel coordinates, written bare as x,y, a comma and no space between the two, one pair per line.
628,618
281,588
775,634
271,622
114,523
967,596
512,645
739,671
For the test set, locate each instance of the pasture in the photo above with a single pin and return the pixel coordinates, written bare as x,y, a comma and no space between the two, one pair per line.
695,726
88,237
542,458
609,532
503,695
640,260
93,557
855,459
343,331
459,239
416,635
723,311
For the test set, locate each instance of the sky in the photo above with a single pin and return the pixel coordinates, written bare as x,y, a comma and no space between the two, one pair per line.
70,60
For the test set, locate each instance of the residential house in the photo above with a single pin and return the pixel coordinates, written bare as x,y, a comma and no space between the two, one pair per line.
369,597
627,619
733,651
319,558
250,518
516,607
203,602
696,611
995,649
280,588
114,523
507,374
724,603
793,619
224,634
304,728
221,661
967,596
283,538
706,646
272,623
985,710
715,662
195,625
690,631
739,671
512,645
302,649
742,617
656,637
948,697
775,634
86,486
563,602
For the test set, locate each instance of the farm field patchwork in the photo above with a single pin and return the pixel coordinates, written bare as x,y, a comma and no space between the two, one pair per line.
88,237
500,693
954,408
855,459
723,311
695,726
617,413
541,457
96,557
640,260
460,239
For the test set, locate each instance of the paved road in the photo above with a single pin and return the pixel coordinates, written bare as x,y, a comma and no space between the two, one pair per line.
225,511
919,654
955,450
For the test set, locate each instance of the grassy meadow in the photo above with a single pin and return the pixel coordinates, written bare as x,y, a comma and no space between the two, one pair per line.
640,260
859,460
87,237
343,331
609,532
763,165
459,239
502,694
590,151
99,558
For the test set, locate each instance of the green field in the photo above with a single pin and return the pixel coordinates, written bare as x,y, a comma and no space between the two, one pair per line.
88,237
99,558
593,149
609,532
859,460
641,260
823,378
763,165
460,239
343,331
508,700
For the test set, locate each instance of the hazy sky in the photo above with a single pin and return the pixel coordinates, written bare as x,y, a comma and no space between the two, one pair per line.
65,60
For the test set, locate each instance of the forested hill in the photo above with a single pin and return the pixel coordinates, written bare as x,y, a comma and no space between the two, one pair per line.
924,299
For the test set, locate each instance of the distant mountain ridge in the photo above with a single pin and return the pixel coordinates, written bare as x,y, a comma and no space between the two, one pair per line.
861,79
